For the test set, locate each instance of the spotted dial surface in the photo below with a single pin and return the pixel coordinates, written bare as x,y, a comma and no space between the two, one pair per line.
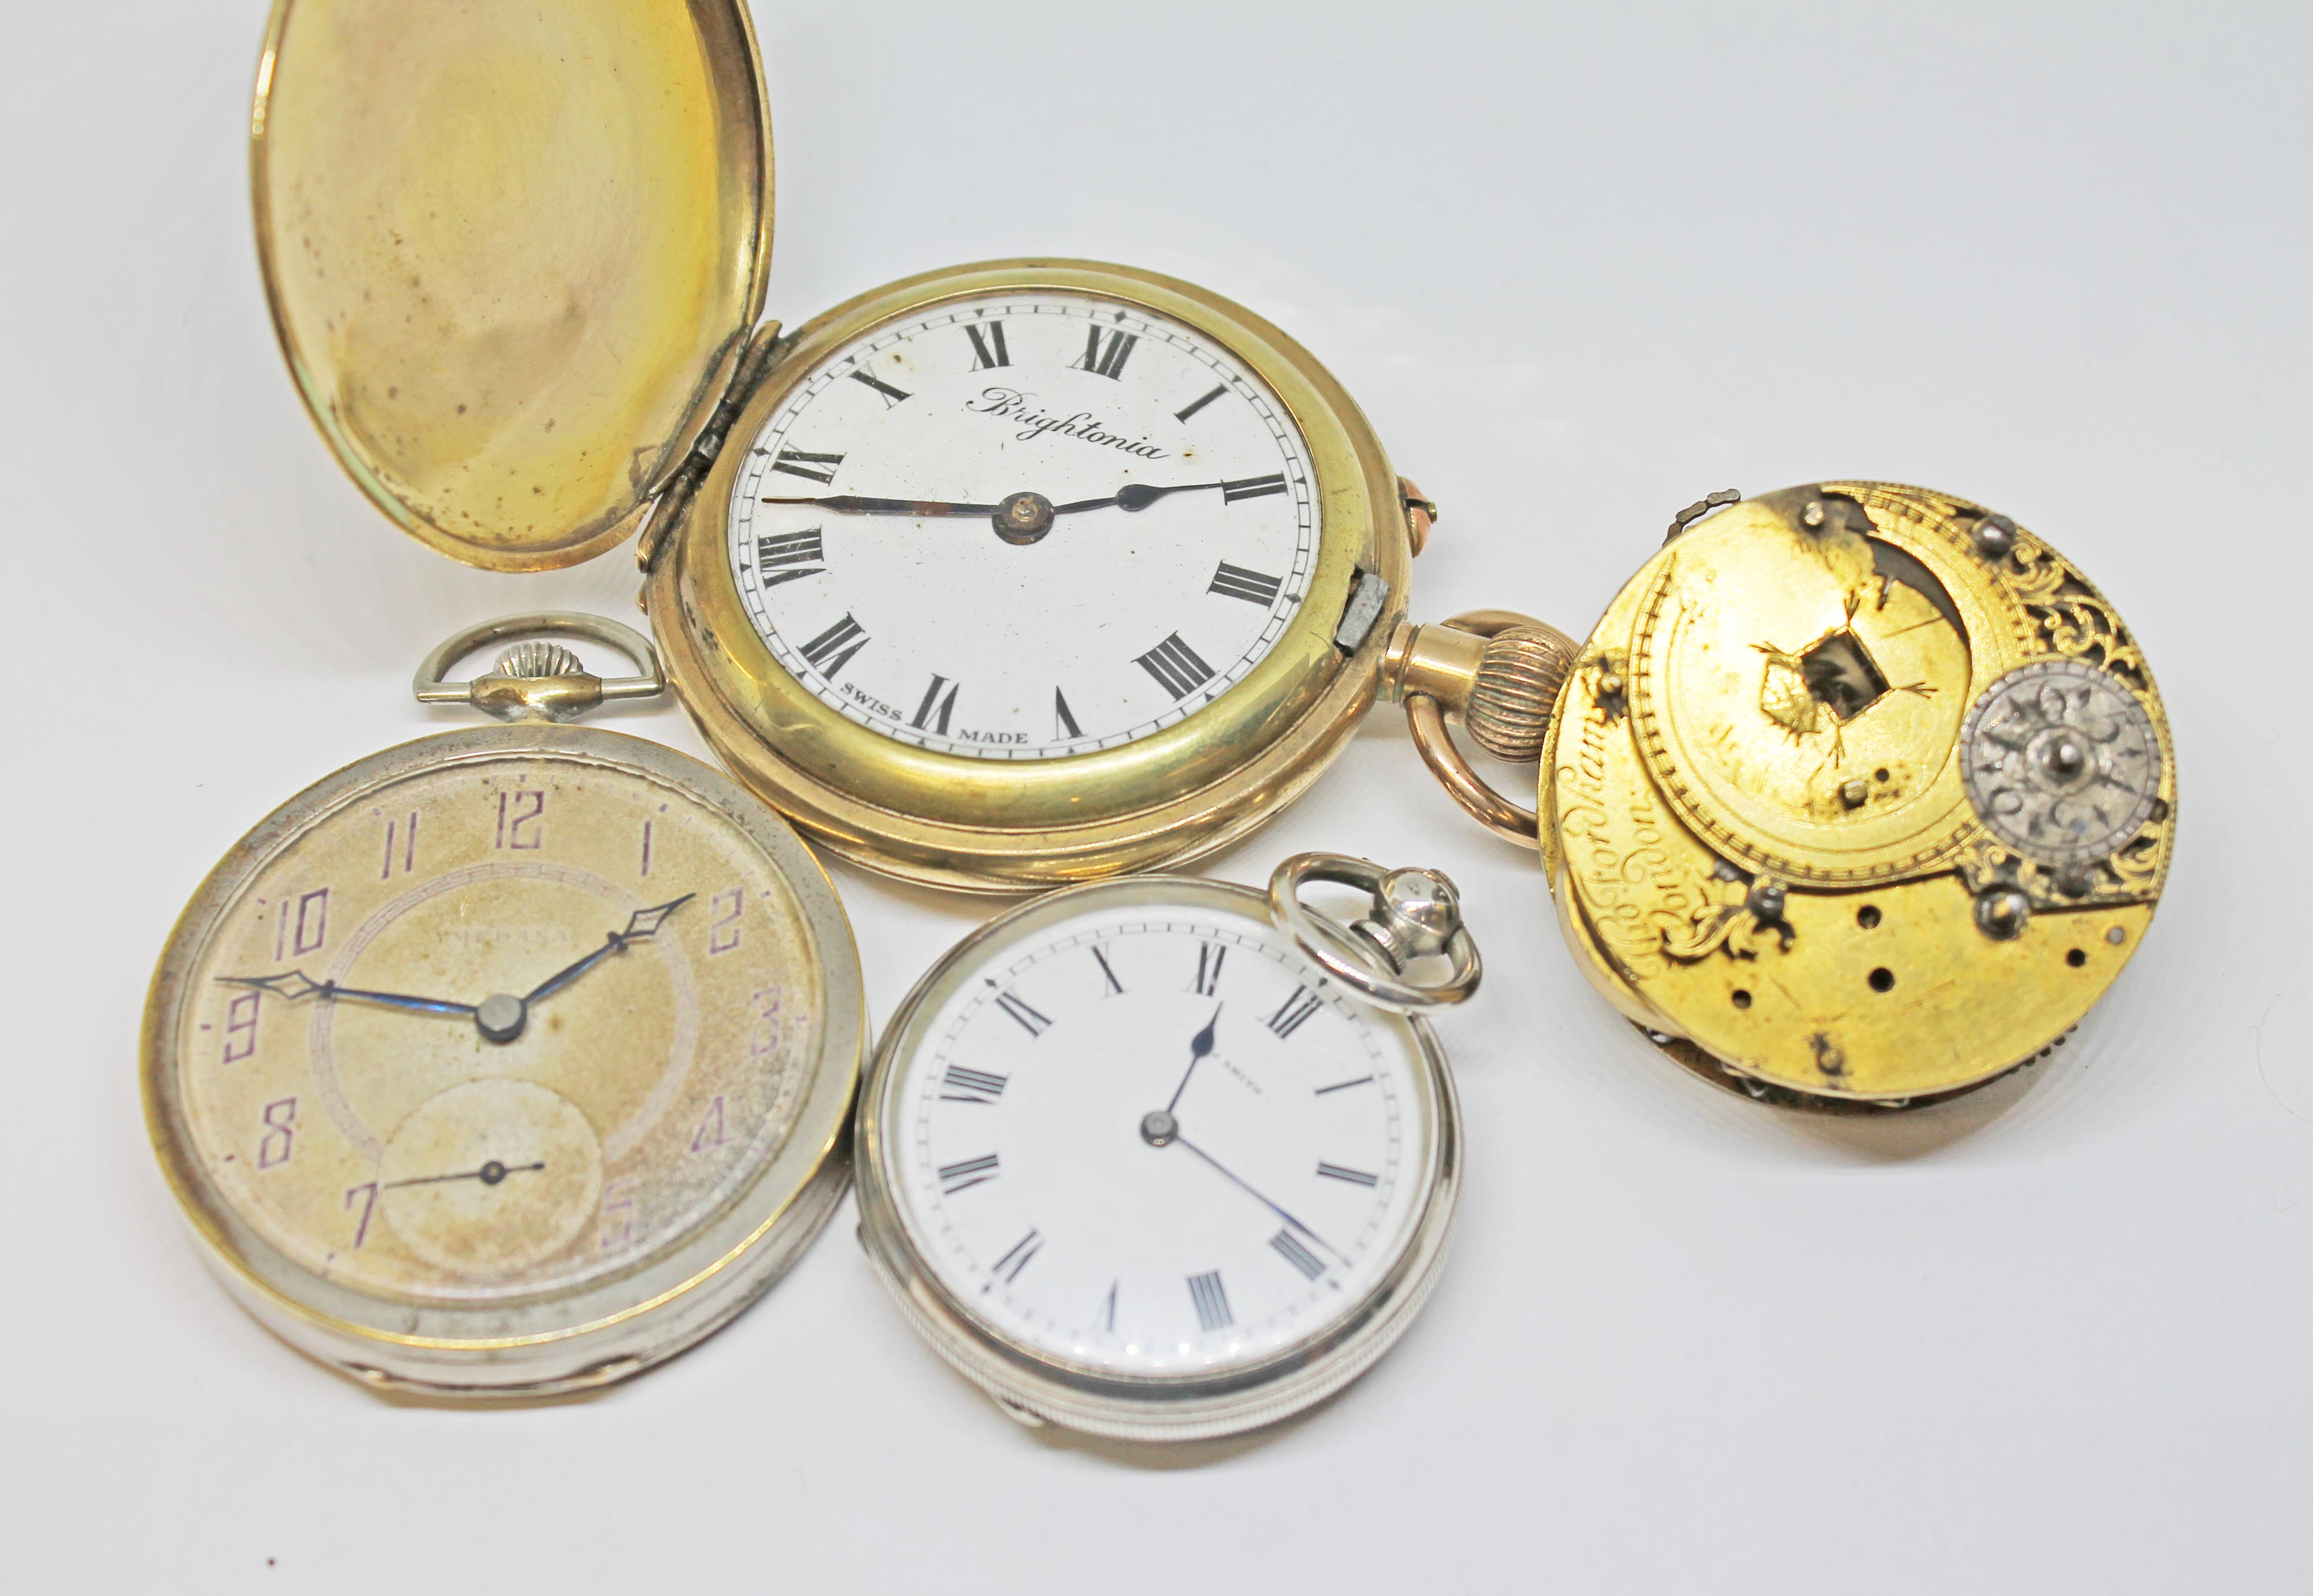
1158,1142
1024,527
502,1027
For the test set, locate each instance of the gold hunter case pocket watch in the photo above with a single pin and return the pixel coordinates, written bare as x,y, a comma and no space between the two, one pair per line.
1001,577
1858,794
1162,1158
512,1059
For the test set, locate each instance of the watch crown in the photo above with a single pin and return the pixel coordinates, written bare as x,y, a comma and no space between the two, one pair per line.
1518,678
538,657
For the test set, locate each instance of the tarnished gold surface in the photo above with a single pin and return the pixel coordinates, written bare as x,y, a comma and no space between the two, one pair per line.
1002,826
1776,858
510,250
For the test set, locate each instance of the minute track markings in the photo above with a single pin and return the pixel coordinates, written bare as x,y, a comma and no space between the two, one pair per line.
1196,404
943,357
890,395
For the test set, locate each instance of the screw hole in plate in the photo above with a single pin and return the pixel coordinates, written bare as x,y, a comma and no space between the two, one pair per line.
2076,958
1742,998
1868,916
1882,979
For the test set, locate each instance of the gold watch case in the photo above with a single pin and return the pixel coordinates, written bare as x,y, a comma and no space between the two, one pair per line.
514,260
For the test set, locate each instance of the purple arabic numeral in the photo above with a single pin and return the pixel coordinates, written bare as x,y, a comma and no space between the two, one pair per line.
280,1137
240,1014
368,1192
723,934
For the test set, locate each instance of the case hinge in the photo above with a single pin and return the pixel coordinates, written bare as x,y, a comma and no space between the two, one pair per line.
675,500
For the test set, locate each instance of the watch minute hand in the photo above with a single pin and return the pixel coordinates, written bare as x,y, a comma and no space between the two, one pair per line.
295,985
854,504
1257,1197
640,926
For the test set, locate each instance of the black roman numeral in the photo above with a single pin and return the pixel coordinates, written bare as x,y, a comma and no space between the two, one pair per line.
1114,983
934,705
1105,359
1235,582
890,395
1020,1009
1213,1303
1175,666
1209,967
1198,404
1334,1171
833,649
970,1086
1288,1248
987,347
803,462
1252,488
1015,1259
789,557
1295,1009
970,1172
1064,724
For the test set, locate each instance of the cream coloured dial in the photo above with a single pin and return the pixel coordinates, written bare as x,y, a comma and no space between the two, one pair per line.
501,1028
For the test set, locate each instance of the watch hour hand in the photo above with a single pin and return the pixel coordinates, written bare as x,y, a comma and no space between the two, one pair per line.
641,925
1199,1045
293,986
1134,495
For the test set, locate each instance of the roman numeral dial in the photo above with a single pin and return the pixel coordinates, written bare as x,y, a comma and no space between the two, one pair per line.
1146,1138
1162,523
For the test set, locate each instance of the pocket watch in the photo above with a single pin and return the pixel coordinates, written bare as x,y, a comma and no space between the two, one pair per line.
1163,1157
1001,577
512,1059
1858,796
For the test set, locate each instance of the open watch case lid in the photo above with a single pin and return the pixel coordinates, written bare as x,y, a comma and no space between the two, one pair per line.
513,252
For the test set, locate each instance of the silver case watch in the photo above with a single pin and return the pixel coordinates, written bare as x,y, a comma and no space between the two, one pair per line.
1037,1389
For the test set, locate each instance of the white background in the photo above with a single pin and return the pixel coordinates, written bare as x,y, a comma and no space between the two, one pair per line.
1582,264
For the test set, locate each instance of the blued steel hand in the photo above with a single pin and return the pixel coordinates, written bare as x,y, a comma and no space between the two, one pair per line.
640,926
489,1174
1199,1045
1240,1184
294,985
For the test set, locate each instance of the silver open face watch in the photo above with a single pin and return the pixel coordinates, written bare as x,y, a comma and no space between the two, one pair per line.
1165,1158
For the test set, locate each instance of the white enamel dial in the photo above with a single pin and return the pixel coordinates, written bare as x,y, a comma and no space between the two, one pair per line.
1111,612
1154,1140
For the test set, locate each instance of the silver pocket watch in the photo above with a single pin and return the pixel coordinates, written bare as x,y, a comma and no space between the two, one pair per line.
1164,1158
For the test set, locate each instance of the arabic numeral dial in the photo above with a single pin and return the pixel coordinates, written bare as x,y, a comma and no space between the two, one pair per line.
1160,526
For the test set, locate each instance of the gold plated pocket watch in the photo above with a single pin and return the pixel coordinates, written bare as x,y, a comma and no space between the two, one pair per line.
998,577
1162,1158
1858,794
510,1060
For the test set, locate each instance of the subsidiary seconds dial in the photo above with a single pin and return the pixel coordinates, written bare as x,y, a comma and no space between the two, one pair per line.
1024,527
